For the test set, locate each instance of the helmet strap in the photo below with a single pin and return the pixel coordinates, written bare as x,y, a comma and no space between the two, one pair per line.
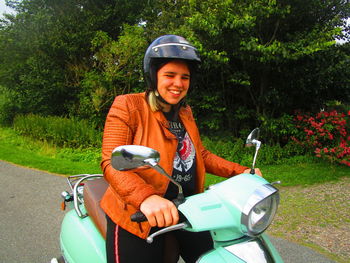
160,98
174,107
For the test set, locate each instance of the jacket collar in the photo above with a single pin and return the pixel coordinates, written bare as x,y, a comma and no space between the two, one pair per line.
185,117
165,124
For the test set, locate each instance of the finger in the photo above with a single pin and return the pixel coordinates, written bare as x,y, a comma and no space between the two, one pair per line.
175,215
160,218
258,172
168,217
246,171
151,220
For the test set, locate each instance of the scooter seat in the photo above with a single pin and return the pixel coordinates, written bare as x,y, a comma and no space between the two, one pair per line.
93,193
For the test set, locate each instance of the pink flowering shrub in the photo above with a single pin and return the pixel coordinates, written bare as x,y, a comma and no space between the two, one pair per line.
327,134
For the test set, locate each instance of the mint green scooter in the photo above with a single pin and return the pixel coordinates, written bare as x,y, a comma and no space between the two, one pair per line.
236,211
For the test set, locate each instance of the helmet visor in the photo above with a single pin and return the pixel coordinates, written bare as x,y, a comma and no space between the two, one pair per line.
175,50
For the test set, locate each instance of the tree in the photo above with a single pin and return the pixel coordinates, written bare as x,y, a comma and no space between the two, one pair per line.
74,56
117,70
47,48
248,50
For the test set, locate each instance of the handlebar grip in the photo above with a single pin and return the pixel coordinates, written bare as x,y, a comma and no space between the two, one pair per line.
138,217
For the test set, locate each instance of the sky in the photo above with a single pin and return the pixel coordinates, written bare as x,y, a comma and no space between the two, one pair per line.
4,8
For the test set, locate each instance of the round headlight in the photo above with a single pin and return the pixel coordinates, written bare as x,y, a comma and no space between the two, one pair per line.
260,210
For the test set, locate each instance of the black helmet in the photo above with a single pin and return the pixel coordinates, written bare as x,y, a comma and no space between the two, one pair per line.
163,49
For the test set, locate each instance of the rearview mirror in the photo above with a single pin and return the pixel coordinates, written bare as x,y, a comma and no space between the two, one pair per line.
129,157
252,138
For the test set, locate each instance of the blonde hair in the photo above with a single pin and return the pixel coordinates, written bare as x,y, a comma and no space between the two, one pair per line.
153,101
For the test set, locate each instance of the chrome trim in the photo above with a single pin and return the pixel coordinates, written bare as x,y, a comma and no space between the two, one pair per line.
150,238
160,170
259,194
76,199
155,48
258,144
276,182
251,251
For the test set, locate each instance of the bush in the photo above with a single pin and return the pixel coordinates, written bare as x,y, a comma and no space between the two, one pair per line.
8,107
234,150
60,131
277,130
92,155
327,135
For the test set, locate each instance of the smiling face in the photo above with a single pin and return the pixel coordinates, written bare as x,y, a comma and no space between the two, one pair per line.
173,82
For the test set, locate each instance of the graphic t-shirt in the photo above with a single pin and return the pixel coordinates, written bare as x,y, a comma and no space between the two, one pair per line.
184,169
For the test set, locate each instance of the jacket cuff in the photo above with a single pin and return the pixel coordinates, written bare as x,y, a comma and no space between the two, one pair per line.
239,170
146,192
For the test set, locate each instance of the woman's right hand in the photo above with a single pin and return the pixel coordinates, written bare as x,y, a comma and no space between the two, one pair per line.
159,211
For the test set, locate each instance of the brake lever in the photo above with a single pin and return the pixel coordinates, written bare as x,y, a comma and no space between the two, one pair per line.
150,238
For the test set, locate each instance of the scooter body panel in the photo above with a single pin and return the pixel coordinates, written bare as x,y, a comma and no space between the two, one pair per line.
81,241
205,211
220,207
218,210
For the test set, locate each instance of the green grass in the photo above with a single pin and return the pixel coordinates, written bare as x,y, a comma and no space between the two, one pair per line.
303,173
43,156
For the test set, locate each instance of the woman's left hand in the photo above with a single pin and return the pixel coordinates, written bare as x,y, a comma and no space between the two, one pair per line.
257,171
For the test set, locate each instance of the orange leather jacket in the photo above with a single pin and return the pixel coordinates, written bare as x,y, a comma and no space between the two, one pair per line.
131,121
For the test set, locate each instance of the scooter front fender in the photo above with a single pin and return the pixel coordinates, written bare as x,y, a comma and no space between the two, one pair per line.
80,240
259,250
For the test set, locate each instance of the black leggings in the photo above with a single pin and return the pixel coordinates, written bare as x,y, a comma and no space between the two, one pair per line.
165,248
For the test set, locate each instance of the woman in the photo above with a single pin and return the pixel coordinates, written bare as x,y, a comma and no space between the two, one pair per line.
160,119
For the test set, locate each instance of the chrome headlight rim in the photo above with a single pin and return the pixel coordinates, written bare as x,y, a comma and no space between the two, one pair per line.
265,192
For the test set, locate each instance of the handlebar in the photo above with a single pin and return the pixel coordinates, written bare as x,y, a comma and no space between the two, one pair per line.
139,217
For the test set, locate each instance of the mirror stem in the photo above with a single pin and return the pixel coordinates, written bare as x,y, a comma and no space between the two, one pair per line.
257,144
180,197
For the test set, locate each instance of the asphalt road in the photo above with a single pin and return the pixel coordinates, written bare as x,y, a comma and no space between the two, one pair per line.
30,218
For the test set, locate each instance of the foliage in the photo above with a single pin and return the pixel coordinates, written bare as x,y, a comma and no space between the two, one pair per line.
59,131
248,48
323,77
34,58
46,50
73,57
234,150
299,170
277,130
327,134
8,109
117,70
45,156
